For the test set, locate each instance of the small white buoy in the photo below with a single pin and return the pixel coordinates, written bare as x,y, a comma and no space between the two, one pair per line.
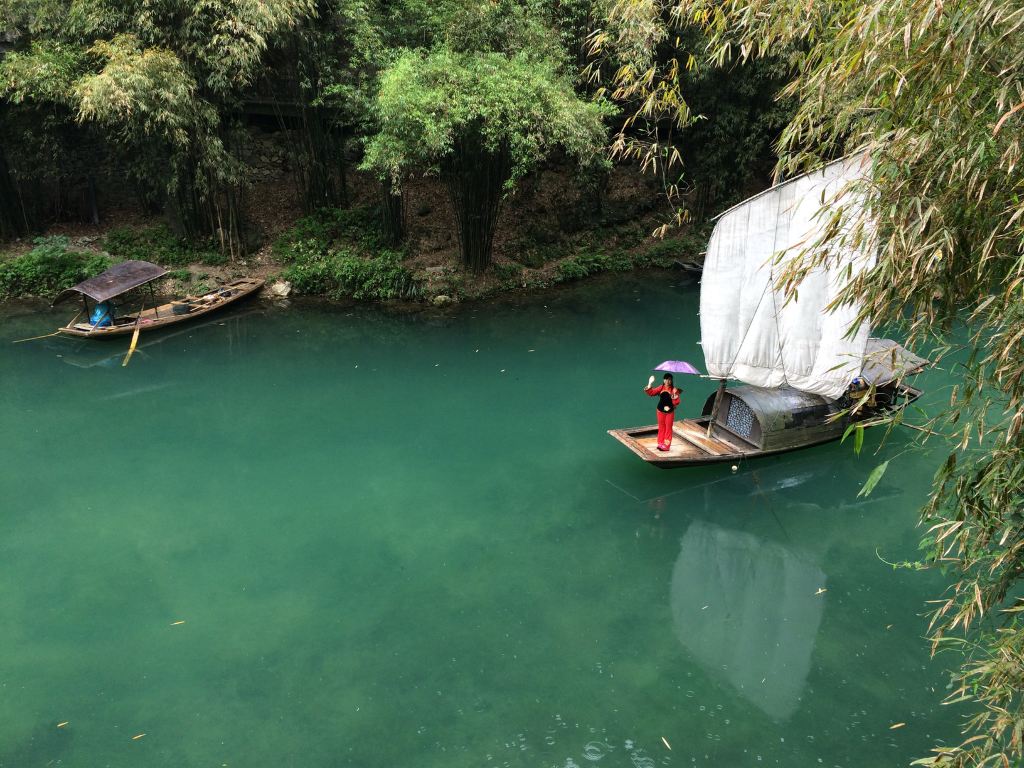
734,467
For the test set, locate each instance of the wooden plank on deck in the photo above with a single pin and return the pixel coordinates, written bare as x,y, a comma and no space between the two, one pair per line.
699,437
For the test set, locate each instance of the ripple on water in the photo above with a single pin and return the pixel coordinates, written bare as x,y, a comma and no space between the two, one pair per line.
595,750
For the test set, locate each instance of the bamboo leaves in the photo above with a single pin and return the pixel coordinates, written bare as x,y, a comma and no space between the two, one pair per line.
932,92
876,475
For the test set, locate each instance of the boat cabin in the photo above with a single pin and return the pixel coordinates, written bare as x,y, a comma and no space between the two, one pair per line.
770,420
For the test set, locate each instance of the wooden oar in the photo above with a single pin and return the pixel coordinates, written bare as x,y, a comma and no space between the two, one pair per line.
47,335
135,338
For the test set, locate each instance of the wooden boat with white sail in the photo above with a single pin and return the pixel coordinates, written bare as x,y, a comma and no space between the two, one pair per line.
808,363
130,275
758,421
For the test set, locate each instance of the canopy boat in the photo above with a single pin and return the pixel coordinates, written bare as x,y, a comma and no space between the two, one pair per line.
808,363
102,321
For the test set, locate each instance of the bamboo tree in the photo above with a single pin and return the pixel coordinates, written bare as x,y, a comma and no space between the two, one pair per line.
322,80
165,82
479,121
475,175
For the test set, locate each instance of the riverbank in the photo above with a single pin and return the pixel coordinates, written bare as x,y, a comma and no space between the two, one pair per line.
548,235
57,262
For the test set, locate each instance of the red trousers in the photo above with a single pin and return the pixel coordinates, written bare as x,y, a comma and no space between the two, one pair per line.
665,428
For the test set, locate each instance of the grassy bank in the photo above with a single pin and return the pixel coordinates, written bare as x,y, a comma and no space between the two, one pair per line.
53,263
345,254
47,269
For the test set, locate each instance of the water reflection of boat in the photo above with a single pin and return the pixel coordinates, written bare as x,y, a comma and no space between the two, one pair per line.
85,355
748,610
102,322
808,361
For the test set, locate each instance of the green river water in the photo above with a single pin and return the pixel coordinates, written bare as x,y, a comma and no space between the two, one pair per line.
406,540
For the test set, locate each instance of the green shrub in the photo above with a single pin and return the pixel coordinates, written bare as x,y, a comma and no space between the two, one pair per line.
302,251
358,228
619,261
663,252
158,244
341,274
505,271
48,269
582,265
535,255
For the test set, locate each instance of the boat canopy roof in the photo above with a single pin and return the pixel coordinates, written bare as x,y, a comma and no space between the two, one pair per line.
885,361
119,279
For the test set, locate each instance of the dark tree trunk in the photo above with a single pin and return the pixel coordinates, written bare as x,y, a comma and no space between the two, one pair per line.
475,177
393,212
315,140
94,210
594,183
12,215
203,208
319,159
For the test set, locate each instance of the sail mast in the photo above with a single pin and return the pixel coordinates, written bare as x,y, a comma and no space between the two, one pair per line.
717,403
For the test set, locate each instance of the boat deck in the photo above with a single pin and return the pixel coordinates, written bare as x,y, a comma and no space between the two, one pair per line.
690,444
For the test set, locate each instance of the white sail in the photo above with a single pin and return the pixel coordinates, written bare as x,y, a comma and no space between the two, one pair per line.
749,331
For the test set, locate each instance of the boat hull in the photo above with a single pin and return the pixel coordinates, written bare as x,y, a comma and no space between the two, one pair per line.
687,452
165,314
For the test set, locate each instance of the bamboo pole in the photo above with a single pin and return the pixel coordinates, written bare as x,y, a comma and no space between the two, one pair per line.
47,335
718,402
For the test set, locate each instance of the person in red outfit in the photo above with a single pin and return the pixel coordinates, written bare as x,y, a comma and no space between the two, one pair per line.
668,399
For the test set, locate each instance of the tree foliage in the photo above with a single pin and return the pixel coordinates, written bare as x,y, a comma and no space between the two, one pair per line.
163,89
163,82
705,132
480,121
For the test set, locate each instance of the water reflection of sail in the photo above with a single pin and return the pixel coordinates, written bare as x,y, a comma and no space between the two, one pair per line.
747,609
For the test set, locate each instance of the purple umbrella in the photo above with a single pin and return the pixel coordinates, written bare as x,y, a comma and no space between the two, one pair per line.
677,366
